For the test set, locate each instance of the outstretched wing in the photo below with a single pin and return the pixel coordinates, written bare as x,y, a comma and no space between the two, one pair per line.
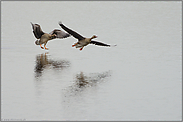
73,33
37,30
99,43
59,34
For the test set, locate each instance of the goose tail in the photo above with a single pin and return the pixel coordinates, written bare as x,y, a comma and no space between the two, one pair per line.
37,42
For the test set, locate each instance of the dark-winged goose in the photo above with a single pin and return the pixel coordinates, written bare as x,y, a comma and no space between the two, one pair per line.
43,37
82,41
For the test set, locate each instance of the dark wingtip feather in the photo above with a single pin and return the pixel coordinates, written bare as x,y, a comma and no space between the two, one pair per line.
73,33
99,43
59,22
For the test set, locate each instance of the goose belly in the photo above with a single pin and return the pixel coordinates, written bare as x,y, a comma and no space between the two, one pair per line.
82,43
44,38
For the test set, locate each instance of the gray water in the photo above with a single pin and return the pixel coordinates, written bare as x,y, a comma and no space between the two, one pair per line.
139,79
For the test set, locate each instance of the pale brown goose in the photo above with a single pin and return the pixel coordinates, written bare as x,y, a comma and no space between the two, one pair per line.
82,41
45,37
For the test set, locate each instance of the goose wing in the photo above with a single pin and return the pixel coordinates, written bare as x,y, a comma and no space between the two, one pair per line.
73,33
37,30
59,34
99,43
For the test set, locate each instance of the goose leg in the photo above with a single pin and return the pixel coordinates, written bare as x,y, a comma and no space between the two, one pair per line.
45,46
41,46
81,48
75,44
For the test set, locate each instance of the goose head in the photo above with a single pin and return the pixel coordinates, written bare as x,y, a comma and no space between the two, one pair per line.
94,36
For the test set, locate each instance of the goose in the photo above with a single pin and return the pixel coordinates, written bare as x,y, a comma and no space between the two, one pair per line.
82,41
45,37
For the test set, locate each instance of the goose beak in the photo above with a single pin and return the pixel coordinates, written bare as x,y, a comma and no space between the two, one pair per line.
95,36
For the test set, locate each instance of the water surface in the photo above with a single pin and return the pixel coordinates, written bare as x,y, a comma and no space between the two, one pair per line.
139,79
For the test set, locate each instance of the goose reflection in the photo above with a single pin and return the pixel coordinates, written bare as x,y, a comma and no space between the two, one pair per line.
43,62
90,80
82,81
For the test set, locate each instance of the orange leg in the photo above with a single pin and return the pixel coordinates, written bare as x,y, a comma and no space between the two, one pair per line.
81,48
45,47
41,46
75,44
